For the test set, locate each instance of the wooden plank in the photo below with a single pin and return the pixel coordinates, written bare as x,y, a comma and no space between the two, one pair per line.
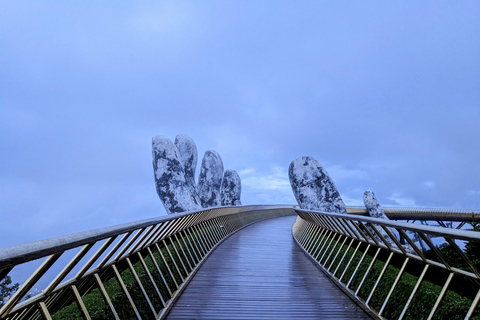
260,273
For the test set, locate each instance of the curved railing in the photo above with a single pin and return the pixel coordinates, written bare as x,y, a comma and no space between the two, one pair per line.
135,270
381,264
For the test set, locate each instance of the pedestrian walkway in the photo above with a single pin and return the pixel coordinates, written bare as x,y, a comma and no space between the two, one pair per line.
260,273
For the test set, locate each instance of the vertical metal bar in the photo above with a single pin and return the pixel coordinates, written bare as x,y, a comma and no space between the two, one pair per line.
137,279
440,296
394,238
194,256
144,265
358,265
336,255
193,234
368,271
204,238
319,241
187,248
202,242
173,260
464,256
207,235
473,306
183,250
140,241
166,265
178,255
81,305
215,234
314,239
150,253
23,290
194,239
95,257
303,231
44,311
399,275
125,248
420,254
385,266
105,295
328,246
80,254
333,249
113,250
434,249
343,257
350,261
125,291
330,232
417,285
152,235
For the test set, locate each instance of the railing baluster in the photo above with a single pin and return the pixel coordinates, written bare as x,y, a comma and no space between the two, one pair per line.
150,253
44,311
441,295
385,266
166,265
81,305
137,279
105,295
173,260
144,265
125,291
397,279
23,290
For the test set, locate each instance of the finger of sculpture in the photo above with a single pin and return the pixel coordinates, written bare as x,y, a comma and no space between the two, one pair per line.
170,180
313,188
373,206
231,189
375,211
210,179
188,158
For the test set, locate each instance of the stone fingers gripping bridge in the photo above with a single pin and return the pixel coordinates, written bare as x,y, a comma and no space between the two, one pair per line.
174,167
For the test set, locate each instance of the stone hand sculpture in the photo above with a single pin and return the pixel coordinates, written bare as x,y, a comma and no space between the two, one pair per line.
210,179
231,189
174,167
375,211
313,188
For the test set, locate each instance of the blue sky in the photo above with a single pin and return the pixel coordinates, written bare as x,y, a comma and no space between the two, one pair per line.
385,95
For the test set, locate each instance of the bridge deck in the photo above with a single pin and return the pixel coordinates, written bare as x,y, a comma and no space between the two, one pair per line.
260,273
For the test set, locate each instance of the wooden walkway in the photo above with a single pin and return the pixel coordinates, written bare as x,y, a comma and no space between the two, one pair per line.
260,273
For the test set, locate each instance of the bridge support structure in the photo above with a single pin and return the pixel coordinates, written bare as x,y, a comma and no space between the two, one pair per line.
395,280
135,270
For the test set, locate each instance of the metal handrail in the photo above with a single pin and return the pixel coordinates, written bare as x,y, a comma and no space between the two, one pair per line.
434,214
354,249
161,254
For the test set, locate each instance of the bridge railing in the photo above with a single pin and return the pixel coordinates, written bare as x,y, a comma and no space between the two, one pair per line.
382,264
130,271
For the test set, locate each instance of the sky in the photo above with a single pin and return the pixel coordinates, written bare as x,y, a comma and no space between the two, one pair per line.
384,94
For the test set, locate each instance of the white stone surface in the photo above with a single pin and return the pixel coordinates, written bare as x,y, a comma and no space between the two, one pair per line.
210,179
170,180
231,189
375,211
373,206
313,187
188,158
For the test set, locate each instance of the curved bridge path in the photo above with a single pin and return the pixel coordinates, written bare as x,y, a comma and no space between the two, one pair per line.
260,273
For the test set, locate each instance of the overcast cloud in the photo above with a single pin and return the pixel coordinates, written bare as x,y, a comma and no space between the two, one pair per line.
385,95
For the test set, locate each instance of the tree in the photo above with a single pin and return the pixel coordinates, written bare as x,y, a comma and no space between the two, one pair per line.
7,289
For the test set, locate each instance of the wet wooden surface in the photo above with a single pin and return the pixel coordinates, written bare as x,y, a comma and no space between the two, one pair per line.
260,273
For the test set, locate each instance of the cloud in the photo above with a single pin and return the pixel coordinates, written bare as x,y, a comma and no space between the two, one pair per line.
401,200
429,184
